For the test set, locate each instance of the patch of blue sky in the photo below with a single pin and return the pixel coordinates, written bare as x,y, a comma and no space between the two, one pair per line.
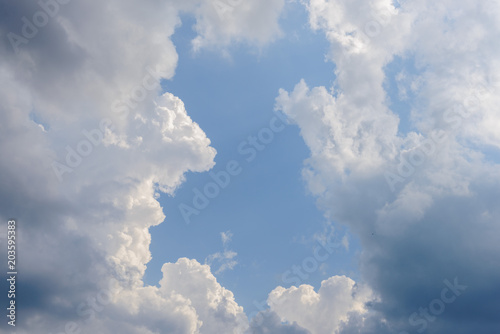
266,207
34,117
490,153
400,74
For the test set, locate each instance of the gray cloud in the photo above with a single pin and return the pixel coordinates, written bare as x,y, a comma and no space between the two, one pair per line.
439,222
82,179
269,322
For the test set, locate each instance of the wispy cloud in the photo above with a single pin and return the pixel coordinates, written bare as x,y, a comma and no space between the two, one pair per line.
225,260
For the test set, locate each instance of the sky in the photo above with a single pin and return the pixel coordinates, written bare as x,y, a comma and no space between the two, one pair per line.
246,167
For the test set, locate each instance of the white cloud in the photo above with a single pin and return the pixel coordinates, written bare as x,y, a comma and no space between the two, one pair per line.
189,300
215,305
226,237
94,226
226,258
321,312
91,73
220,22
420,227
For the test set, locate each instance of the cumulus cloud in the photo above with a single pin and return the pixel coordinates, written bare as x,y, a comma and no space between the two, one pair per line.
222,21
215,305
89,141
321,312
189,300
92,143
418,201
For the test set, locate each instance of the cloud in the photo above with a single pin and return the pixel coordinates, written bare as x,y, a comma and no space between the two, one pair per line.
215,305
220,22
92,142
437,217
324,311
269,322
225,258
226,237
89,142
189,300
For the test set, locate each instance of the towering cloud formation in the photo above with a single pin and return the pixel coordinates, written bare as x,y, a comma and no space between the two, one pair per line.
88,141
423,202
88,145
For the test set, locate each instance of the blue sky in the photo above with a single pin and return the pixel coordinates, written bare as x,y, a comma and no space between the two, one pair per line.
266,207
356,144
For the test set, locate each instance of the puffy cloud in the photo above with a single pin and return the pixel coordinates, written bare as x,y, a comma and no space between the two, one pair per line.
91,143
321,312
215,305
189,300
419,201
92,72
220,22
